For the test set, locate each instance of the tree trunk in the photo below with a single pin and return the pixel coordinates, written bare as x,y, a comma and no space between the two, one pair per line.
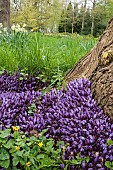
72,30
72,23
97,66
93,17
5,13
83,17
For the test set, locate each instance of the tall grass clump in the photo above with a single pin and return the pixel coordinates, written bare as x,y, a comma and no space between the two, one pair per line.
35,52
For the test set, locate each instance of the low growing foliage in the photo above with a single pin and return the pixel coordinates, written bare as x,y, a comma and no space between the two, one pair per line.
18,151
70,115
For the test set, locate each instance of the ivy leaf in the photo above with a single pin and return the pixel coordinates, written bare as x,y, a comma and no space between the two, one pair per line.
76,162
5,133
43,131
9,144
33,138
5,163
32,160
60,143
47,162
4,155
14,168
86,159
21,78
22,162
19,153
40,156
12,150
108,164
49,146
109,142
15,161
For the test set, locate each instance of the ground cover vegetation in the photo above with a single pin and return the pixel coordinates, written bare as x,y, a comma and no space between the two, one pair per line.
44,123
70,115
44,127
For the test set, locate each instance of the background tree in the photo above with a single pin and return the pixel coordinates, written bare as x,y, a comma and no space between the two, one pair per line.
70,18
5,13
55,15
83,14
87,23
37,13
24,12
63,15
93,16
63,22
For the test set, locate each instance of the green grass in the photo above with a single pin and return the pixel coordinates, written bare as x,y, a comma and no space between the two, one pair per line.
33,52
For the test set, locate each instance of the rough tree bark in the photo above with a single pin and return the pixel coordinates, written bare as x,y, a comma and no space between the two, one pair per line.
97,66
5,13
83,17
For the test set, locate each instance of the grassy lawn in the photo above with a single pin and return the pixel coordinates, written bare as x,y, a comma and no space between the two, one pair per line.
33,52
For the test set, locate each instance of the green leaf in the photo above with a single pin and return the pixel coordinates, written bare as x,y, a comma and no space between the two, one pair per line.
1,71
4,155
29,144
16,135
25,156
21,78
108,164
5,163
76,162
44,131
33,138
3,141
109,142
32,161
9,144
14,168
50,144
5,133
35,150
40,156
19,153
60,143
30,111
78,156
47,162
15,161
12,150
21,143
87,159
66,167
22,162
33,105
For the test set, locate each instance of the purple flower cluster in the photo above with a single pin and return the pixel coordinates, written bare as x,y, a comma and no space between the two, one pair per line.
19,82
13,106
70,115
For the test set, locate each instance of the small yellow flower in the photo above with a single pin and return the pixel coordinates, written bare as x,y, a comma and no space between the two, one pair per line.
15,129
17,148
63,149
28,163
40,144
35,29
